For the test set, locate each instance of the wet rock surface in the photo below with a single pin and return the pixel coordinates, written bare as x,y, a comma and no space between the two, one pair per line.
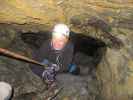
109,21
78,87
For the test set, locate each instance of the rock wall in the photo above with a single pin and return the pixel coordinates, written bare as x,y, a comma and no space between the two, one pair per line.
92,18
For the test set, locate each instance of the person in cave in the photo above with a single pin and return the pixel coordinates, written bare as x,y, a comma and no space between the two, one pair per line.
57,53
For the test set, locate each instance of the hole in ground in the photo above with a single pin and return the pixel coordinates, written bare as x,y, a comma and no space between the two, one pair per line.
88,51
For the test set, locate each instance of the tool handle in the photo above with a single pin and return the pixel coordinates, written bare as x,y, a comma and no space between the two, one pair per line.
19,57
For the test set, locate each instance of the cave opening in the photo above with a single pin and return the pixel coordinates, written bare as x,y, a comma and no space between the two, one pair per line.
88,51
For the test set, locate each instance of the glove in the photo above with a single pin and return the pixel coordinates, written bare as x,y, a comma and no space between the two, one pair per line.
72,68
45,61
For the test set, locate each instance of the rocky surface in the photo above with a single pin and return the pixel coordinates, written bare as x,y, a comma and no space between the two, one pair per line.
110,21
78,87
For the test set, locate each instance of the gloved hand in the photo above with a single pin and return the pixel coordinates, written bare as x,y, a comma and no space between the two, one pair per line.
45,61
72,68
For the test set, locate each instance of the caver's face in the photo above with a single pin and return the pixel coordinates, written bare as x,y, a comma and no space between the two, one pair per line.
59,42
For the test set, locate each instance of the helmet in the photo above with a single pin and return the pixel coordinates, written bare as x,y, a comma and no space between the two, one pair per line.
61,29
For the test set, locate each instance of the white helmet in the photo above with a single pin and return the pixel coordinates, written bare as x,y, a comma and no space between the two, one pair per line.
61,29
5,91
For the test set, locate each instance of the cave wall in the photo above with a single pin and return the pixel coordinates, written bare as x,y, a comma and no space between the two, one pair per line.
115,70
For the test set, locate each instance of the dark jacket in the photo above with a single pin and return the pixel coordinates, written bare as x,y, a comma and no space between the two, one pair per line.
46,51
